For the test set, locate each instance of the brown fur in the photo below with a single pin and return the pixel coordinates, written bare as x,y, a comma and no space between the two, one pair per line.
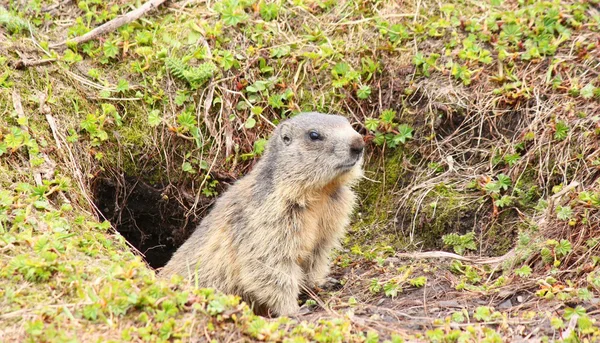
272,232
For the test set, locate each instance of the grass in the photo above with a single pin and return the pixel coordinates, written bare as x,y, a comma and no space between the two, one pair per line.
482,129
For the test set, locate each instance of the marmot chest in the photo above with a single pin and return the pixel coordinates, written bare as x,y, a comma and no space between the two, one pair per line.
321,221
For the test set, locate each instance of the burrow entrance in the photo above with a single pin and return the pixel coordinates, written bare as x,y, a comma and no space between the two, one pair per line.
152,218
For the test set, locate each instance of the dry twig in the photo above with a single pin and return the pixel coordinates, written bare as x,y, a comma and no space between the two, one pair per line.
444,254
25,63
113,24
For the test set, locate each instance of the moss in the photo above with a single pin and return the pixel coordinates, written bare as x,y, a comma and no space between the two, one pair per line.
444,210
373,224
499,238
528,191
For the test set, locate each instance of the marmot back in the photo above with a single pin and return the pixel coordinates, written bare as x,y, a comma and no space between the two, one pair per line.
271,233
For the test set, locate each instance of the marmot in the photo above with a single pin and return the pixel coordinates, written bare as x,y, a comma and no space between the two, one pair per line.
271,233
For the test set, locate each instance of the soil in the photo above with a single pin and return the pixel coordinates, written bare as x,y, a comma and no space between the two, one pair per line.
152,222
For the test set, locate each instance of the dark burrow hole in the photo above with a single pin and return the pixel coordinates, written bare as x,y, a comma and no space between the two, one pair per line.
150,218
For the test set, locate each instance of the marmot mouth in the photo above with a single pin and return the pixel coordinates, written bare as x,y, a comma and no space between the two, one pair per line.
346,166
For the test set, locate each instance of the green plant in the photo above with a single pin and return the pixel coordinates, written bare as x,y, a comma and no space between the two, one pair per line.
12,22
561,130
195,76
460,243
232,11
473,52
564,212
426,64
343,75
386,131
460,72
269,11
363,92
524,271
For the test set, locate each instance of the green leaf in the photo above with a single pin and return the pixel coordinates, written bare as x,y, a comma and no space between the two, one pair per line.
557,323
352,301
372,124
276,101
122,86
504,181
570,312
186,119
363,92
436,335
561,130
511,159
483,314
585,323
227,60
257,86
144,37
269,11
72,57
280,51
42,205
339,83
587,92
391,289
584,294
419,59
257,110
397,32
563,247
458,317
492,187
259,146
418,281
405,132
460,243
374,287
504,201
546,255
154,118
216,306
387,116
379,138
250,123
110,49
233,14
523,271
341,69
372,337
90,312
204,165
187,167
564,212
35,328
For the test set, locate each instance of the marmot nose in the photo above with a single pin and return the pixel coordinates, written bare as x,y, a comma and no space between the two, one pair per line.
357,145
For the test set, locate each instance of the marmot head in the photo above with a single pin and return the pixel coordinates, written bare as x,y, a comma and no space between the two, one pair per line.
313,150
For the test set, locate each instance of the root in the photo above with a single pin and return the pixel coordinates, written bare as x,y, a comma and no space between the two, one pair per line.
443,254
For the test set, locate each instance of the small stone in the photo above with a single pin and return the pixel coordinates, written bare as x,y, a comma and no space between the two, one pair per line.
506,304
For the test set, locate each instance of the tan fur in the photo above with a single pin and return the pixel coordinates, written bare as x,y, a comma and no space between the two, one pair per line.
272,232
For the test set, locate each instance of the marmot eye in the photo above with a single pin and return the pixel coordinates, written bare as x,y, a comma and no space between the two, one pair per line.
314,135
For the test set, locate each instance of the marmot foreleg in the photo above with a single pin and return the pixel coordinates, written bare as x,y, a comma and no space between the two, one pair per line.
275,286
316,266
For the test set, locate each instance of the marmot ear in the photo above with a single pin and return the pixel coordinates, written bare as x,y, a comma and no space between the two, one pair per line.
285,134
